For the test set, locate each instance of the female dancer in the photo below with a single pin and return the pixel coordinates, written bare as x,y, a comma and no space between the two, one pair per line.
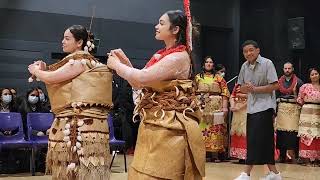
169,144
79,89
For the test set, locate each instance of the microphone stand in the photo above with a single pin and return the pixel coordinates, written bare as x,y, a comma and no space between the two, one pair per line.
229,122
232,79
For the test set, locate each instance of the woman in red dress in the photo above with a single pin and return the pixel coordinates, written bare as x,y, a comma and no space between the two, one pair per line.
309,129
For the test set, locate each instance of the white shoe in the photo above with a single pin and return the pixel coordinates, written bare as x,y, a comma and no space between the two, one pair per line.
272,176
243,176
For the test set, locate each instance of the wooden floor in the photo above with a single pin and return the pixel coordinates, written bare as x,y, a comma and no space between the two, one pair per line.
214,171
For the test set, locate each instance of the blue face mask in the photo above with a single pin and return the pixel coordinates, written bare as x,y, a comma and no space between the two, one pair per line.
6,99
33,99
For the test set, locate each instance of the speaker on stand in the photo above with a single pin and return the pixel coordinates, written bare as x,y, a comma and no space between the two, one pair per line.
296,41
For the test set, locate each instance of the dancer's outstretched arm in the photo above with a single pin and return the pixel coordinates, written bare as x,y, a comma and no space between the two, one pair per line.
66,72
173,66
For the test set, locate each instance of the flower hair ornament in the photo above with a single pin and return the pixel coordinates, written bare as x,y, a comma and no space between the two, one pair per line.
89,45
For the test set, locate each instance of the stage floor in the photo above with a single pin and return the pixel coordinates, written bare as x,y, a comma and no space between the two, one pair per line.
214,171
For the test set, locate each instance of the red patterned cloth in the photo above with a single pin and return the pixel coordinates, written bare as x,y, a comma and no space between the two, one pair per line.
214,137
236,89
312,151
164,52
308,93
238,147
186,5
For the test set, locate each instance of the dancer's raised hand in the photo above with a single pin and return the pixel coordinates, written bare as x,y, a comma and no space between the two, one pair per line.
122,56
113,60
32,68
43,65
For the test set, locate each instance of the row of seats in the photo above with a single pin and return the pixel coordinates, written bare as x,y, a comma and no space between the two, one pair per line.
31,142
41,122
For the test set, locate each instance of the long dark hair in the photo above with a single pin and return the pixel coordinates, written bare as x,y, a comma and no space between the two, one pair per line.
309,73
178,18
213,71
218,67
45,95
79,33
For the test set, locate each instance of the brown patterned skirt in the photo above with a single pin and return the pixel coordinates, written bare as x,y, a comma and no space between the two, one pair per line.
79,148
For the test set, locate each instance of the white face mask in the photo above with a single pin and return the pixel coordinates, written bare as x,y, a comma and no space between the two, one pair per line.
222,74
6,99
42,97
33,99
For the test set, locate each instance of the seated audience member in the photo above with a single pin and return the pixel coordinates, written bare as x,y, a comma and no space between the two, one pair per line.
28,104
13,92
221,70
6,101
44,100
12,160
6,105
15,99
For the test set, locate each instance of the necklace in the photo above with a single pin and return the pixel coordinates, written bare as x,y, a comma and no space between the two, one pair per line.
288,90
164,52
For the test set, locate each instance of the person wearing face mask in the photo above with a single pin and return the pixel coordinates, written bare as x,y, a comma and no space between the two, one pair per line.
29,103
33,99
6,102
7,156
13,92
6,105
44,100
221,70
15,98
213,93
